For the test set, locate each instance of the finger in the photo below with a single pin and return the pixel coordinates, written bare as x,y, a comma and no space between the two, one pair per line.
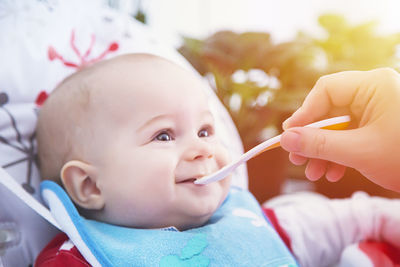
335,146
334,172
297,159
315,169
334,90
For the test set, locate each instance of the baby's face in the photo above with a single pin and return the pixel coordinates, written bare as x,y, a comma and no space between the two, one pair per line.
156,136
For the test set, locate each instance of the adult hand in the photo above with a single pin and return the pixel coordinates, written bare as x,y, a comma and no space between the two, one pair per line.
371,145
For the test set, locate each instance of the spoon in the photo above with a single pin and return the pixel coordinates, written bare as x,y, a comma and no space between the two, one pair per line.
336,123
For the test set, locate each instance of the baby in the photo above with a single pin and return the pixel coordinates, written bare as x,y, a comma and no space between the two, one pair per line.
130,136
127,137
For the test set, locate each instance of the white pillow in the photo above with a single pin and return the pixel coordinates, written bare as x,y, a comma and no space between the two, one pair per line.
40,44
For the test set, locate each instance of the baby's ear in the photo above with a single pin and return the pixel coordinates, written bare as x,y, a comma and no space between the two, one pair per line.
79,180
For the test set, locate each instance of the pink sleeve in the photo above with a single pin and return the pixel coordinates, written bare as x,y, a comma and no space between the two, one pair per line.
320,229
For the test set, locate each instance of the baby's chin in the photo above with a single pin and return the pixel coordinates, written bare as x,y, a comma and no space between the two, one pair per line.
193,223
200,216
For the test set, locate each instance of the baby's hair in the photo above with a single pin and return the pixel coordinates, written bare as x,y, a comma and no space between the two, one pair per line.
63,127
59,118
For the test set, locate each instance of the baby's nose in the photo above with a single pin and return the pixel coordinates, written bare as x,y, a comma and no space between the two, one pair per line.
198,150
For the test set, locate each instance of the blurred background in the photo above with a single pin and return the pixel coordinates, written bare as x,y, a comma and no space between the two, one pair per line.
262,57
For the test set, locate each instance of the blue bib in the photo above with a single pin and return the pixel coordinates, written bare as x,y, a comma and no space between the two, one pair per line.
238,234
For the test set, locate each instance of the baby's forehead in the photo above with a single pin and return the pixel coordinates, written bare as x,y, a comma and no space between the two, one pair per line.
137,80
149,76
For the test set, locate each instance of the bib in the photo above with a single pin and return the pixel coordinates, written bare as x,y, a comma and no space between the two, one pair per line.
238,234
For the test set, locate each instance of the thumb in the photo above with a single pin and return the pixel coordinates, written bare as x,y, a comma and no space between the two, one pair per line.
341,147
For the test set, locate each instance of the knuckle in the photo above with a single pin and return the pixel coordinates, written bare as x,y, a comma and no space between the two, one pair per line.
320,145
386,71
390,75
321,81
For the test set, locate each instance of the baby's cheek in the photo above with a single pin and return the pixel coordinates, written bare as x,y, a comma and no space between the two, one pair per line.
222,156
223,159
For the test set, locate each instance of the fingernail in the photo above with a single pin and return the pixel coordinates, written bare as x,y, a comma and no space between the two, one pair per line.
285,124
290,141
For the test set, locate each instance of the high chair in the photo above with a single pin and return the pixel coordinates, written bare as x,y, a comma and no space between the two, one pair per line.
42,43
47,41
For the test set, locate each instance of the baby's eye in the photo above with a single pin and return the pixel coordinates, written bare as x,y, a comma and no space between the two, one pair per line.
164,137
206,132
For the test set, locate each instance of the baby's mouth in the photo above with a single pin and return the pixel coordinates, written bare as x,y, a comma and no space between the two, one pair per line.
189,180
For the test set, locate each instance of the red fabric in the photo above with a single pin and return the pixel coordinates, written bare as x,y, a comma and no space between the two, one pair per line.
84,59
381,254
41,98
52,256
274,221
